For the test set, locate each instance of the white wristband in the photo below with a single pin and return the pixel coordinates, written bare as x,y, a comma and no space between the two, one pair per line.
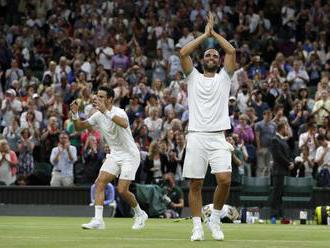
74,116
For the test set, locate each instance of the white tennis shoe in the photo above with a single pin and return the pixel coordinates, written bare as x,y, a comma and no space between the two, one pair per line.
139,221
197,234
94,224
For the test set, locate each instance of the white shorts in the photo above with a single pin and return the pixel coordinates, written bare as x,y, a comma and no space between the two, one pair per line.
125,166
204,149
59,180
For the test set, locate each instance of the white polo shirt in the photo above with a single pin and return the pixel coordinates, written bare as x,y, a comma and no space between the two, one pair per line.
103,59
208,101
319,152
118,138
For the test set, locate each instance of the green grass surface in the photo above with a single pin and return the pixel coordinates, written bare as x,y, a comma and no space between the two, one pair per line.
47,232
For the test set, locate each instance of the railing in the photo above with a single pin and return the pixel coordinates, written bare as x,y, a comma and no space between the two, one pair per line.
80,195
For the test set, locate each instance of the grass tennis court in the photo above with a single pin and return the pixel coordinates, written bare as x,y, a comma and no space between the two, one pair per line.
48,232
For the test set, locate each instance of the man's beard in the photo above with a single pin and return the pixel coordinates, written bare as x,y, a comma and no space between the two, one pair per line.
212,68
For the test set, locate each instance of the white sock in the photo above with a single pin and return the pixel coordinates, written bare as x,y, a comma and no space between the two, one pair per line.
215,216
197,222
137,210
98,212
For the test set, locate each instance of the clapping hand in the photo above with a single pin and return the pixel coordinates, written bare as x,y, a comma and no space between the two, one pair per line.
209,25
172,156
67,145
74,107
291,166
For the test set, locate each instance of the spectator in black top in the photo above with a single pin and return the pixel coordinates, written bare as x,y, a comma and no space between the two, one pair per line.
283,164
93,158
49,138
155,164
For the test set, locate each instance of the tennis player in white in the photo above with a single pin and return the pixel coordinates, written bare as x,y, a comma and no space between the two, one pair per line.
123,161
208,96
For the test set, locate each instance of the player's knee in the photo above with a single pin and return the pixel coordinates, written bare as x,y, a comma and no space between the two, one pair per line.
122,190
196,186
99,184
225,181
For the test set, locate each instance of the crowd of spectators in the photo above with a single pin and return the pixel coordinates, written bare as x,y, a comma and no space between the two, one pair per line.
55,51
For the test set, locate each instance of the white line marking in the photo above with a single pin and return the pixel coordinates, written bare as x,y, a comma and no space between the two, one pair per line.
124,225
166,239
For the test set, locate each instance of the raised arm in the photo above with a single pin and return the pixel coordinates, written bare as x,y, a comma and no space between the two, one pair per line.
79,125
186,62
120,121
230,57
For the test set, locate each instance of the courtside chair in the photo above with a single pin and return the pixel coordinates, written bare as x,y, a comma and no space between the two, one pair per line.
297,190
255,191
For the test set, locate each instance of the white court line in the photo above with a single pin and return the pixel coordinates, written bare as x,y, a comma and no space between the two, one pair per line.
226,226
78,226
164,239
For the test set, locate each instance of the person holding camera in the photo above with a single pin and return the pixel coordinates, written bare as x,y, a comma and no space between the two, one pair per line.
173,197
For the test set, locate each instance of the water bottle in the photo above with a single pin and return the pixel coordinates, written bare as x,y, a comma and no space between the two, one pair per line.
328,220
273,220
241,170
303,217
257,216
243,215
249,217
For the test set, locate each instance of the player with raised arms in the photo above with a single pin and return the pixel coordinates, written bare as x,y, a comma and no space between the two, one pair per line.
208,97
